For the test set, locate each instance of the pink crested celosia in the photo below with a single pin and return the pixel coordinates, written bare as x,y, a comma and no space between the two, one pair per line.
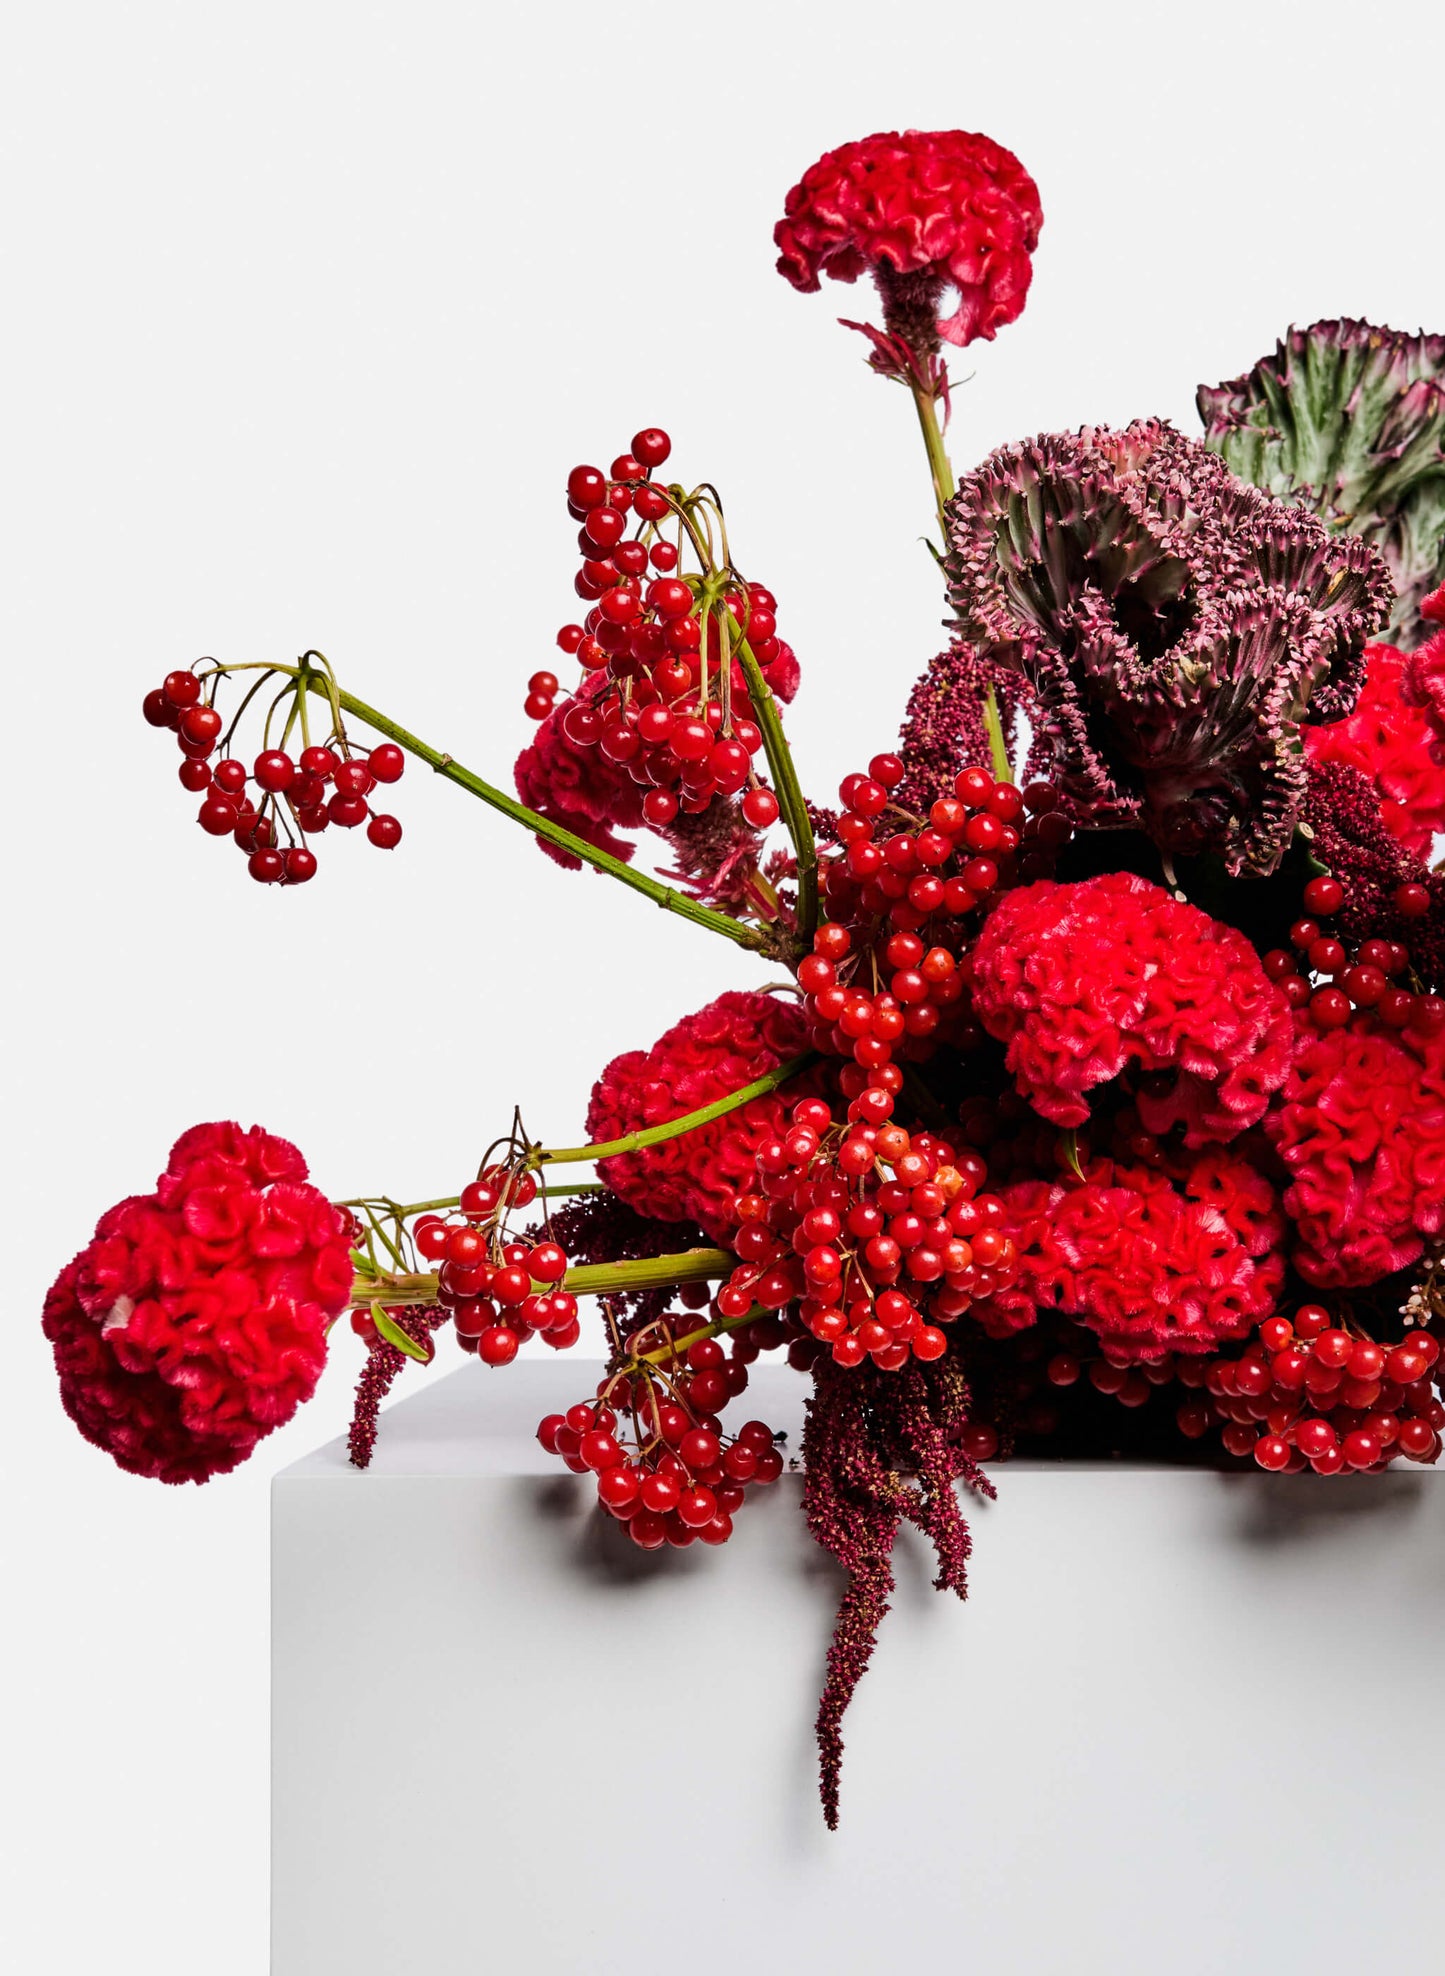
1085,981
1152,1264
1394,736
923,212
195,1320
697,1177
1360,1128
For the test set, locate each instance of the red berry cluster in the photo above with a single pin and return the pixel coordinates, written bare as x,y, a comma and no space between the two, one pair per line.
1308,1393
1318,972
887,974
499,1293
668,710
278,796
683,1479
879,1236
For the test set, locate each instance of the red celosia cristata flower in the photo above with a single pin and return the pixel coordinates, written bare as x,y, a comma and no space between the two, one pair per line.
195,1321
940,209
1152,1266
1083,980
739,1037
1392,736
1423,680
578,787
1361,1129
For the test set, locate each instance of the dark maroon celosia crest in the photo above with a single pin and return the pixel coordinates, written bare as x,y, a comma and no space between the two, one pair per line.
943,729
879,1450
1348,418
1173,625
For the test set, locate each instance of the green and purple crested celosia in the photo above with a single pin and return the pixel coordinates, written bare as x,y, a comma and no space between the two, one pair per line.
1348,419
1173,628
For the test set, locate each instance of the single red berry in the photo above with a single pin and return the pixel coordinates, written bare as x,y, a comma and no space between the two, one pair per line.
651,446
320,761
300,864
347,811
158,710
586,487
267,867
195,775
1330,1008
498,1345
274,771
1411,901
181,689
384,832
1324,895
386,762
200,725
217,816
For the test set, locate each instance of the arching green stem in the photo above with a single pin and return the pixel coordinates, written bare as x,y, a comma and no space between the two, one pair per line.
651,888
656,1135
944,489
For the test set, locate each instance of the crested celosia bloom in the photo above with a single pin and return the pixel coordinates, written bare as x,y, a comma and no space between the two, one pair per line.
1423,680
1173,625
578,786
575,784
1151,1266
1361,1131
195,1321
1391,736
1348,418
735,1039
1085,981
923,212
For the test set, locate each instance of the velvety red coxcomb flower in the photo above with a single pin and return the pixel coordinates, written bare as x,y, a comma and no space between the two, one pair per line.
922,212
1360,1128
1394,735
697,1177
1083,980
1173,626
1150,1265
195,1321
578,787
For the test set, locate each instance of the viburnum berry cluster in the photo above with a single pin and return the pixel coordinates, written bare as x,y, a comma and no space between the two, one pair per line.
1096,1102
681,668
271,808
666,1469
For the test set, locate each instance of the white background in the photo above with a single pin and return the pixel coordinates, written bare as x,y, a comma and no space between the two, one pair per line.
308,310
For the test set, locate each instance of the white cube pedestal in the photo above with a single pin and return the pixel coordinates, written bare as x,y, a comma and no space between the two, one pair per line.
1186,1723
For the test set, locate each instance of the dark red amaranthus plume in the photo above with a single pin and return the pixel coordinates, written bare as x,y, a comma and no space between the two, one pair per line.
864,1434
603,1228
383,1363
943,729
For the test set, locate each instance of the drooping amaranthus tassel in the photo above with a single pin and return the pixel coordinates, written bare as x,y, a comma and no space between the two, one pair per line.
383,1363
864,1433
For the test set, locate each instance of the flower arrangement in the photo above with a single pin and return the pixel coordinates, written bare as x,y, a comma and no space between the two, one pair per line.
1104,1109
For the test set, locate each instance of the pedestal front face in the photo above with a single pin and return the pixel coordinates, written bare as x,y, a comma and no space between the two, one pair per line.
1186,1723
